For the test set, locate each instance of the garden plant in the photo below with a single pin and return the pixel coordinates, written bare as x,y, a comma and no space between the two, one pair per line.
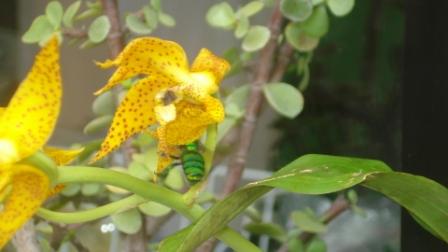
164,117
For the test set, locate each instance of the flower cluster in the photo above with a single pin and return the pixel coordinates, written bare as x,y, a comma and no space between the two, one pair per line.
171,95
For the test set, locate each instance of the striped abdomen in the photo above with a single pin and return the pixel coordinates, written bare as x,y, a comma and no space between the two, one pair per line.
193,165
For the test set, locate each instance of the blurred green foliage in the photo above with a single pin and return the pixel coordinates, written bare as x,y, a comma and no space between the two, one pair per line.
352,104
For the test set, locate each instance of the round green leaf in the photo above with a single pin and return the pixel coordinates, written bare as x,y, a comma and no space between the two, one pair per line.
151,17
235,102
295,245
54,12
99,29
70,13
298,39
251,8
128,222
340,7
352,196
316,245
307,222
221,15
87,44
138,170
136,25
154,209
156,4
98,124
174,180
71,190
166,19
296,10
104,104
256,38
91,189
284,98
318,23
242,27
39,29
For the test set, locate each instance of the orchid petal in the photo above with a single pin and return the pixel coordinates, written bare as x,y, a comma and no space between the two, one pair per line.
135,113
62,156
29,119
206,61
28,190
147,56
191,121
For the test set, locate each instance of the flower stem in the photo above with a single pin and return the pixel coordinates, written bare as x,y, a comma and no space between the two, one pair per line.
45,164
92,214
144,189
210,146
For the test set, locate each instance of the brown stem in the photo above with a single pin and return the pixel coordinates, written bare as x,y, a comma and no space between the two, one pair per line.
339,205
262,74
74,33
261,77
115,39
283,60
116,42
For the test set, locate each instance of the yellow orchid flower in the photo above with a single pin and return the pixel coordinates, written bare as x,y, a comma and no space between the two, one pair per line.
25,126
171,95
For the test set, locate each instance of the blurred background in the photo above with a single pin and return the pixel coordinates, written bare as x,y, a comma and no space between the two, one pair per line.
352,104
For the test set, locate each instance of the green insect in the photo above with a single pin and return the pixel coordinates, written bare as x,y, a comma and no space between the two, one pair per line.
192,163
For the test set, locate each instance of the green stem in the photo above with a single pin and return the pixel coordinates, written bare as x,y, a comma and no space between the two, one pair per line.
210,146
43,163
92,214
147,190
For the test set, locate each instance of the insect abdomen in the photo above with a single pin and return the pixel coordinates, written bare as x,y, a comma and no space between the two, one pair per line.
193,165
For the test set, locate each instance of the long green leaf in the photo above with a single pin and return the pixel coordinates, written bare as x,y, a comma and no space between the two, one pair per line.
310,174
424,198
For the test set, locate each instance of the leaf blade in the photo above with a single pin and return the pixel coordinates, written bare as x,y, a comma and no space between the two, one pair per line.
284,98
424,198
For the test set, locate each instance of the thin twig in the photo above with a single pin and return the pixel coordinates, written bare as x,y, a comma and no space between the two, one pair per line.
74,33
115,39
254,103
261,77
116,42
283,59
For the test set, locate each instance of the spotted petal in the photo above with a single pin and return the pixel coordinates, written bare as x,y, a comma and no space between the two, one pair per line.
135,113
191,121
206,61
147,56
62,156
31,115
27,190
